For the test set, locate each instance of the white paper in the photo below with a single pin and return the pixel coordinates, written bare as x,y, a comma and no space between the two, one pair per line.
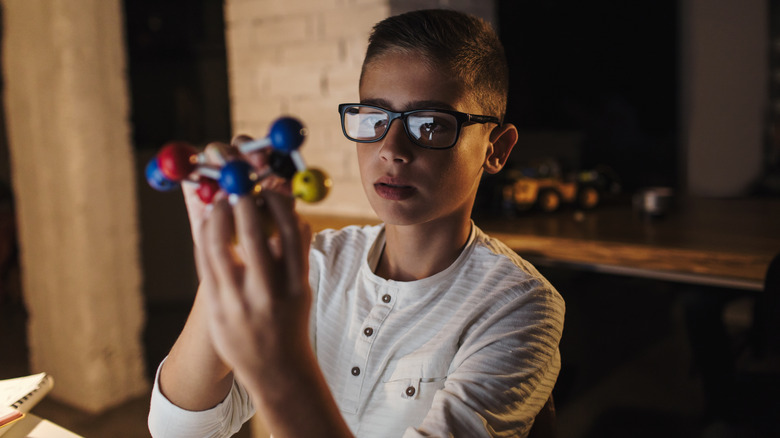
11,390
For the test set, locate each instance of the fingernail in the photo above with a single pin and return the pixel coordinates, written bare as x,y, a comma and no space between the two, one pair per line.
233,199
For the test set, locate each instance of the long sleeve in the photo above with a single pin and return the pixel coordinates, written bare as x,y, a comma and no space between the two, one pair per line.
167,420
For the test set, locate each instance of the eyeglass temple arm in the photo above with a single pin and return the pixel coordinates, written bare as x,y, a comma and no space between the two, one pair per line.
483,119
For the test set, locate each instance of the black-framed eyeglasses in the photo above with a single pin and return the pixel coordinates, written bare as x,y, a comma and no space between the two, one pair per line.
428,128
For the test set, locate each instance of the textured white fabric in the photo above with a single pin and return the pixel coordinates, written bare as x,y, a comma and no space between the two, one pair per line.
224,420
471,351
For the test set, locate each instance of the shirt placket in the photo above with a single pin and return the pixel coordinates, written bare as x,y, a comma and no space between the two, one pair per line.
360,362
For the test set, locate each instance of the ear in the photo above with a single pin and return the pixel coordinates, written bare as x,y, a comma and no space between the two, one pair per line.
502,140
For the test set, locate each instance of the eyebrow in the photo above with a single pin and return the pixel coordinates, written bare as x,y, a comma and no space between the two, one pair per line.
417,104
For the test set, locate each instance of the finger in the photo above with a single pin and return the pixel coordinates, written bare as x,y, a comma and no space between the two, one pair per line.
218,245
288,224
218,153
240,139
278,184
192,201
196,210
250,231
304,230
202,267
258,158
306,238
275,246
208,285
207,280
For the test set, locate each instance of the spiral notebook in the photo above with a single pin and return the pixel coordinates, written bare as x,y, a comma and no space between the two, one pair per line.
19,395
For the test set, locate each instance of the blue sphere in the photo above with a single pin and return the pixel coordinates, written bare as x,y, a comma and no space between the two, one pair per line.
157,179
235,177
287,134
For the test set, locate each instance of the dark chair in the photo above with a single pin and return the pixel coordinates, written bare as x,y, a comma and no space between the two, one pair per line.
544,423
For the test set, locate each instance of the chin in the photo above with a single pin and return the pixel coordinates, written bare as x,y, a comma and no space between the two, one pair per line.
395,213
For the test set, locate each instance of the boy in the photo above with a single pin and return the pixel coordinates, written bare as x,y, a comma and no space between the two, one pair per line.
422,326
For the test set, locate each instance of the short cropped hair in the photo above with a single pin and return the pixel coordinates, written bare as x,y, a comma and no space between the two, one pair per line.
466,45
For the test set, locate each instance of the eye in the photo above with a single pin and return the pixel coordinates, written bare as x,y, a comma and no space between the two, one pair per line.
378,121
364,123
371,124
428,126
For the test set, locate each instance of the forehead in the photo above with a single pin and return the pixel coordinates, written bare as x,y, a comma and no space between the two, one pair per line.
405,81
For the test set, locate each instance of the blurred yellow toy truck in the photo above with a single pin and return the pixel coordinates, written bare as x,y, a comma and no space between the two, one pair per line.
544,187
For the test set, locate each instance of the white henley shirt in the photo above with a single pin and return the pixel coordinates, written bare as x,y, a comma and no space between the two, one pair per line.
469,352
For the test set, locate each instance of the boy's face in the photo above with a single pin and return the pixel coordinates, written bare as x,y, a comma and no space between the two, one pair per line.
405,183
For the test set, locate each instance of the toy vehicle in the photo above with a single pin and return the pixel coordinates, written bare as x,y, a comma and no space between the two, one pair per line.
544,187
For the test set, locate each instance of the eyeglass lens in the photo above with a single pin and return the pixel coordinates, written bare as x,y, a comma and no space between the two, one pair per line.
427,128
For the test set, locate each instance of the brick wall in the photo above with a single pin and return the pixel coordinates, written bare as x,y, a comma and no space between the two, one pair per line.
303,58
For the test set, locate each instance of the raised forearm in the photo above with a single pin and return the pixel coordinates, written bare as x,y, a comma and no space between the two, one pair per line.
296,401
193,376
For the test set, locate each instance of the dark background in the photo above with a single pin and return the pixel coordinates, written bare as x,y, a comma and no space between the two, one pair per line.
177,71
605,70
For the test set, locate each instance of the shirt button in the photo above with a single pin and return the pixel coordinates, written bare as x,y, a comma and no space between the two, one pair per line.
386,298
410,391
355,371
368,331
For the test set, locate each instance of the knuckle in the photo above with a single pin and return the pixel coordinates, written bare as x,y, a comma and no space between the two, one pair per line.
239,139
216,146
216,151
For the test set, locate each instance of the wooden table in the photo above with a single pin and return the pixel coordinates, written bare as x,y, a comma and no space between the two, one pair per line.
716,242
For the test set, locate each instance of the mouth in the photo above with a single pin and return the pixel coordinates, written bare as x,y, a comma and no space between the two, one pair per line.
392,190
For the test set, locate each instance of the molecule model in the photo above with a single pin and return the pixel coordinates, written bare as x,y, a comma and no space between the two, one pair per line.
179,162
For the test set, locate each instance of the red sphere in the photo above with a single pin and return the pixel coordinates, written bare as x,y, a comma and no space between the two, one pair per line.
207,189
177,159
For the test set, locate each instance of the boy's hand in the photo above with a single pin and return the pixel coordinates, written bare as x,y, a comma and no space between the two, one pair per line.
259,303
217,154
195,376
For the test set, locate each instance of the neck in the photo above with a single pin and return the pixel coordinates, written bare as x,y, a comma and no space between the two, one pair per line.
414,252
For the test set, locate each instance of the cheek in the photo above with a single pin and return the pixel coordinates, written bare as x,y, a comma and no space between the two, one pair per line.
471,156
362,158
365,162
456,175
467,169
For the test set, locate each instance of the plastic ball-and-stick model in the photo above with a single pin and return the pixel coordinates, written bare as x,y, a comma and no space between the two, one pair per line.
179,162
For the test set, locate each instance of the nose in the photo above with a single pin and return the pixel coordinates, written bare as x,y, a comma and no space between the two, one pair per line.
396,146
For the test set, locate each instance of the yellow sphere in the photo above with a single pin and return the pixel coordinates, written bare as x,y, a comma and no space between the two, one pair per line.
311,185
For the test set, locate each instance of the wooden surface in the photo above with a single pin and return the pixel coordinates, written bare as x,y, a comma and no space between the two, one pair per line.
714,242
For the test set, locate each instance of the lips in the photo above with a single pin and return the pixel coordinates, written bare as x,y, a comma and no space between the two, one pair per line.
393,189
